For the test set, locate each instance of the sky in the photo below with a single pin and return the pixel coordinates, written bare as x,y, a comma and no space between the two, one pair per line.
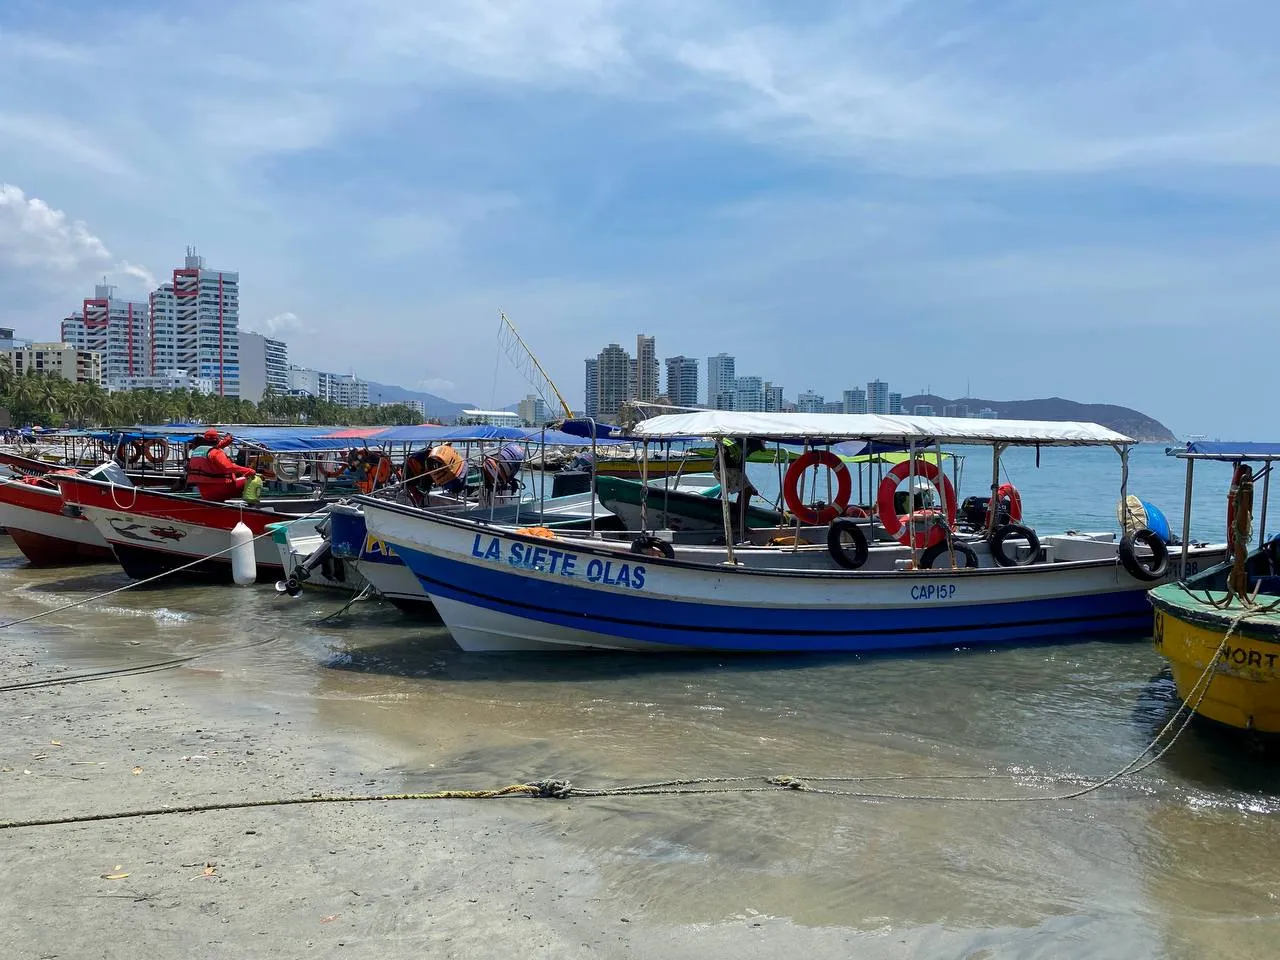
1027,199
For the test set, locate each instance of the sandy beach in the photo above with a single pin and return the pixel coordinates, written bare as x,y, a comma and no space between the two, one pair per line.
459,878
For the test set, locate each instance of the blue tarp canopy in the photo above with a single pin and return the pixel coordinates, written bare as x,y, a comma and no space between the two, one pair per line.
1227,450
303,439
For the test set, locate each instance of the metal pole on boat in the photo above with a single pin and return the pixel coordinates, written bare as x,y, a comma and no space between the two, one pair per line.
724,503
644,488
1186,516
992,504
911,498
542,480
592,473
1262,519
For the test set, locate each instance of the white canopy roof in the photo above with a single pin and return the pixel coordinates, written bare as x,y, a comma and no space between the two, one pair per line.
798,427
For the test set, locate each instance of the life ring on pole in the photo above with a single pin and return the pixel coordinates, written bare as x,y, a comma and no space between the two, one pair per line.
904,530
288,469
156,450
791,488
1008,503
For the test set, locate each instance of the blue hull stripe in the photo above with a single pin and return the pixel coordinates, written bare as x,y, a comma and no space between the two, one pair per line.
648,619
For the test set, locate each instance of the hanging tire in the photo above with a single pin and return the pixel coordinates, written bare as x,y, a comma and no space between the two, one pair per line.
965,554
1014,531
647,544
1148,570
850,560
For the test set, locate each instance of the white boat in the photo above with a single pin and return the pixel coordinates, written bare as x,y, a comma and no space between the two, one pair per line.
497,589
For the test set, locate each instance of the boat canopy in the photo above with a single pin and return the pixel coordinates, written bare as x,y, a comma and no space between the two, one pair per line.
834,427
1228,451
300,439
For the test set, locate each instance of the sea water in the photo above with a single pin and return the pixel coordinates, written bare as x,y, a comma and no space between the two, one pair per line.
1176,861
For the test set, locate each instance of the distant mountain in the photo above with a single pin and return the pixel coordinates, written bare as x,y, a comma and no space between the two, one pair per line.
1121,419
439,407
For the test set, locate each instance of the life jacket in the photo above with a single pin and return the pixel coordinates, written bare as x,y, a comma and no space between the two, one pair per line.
201,468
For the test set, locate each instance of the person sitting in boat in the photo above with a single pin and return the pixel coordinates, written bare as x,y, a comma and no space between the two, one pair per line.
211,471
734,480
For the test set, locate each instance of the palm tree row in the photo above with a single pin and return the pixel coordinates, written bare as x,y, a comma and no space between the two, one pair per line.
48,400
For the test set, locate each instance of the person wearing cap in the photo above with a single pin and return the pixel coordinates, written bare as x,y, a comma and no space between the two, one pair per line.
211,471
734,480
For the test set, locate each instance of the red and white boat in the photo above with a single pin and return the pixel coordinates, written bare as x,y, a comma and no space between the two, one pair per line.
153,533
31,512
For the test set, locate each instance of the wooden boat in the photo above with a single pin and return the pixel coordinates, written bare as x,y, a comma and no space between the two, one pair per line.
498,589
31,512
1220,629
152,532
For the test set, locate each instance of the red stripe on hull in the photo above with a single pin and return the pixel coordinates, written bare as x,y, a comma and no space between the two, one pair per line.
45,551
159,506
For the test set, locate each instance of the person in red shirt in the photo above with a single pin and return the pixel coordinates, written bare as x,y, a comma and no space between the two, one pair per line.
211,471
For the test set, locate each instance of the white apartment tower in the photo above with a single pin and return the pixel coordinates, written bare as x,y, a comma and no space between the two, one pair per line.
646,387
195,324
591,400
118,330
721,382
682,381
264,365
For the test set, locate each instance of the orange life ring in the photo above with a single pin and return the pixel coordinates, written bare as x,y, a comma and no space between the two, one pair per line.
904,530
1008,492
791,488
156,450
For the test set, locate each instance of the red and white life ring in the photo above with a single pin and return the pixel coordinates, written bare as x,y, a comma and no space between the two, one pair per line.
791,488
1008,494
904,530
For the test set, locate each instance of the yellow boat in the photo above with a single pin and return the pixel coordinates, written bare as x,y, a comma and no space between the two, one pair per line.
1220,629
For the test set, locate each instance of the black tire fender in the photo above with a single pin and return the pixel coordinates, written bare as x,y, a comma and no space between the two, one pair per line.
1014,531
850,560
648,543
1136,566
968,558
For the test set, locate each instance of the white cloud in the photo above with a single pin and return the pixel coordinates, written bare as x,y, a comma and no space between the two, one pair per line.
286,323
41,245
34,235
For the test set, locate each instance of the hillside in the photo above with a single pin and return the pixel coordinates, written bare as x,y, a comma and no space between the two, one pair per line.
445,410
1122,419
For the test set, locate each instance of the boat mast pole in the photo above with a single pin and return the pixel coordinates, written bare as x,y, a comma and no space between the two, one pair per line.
592,474
911,499
568,412
1186,515
993,505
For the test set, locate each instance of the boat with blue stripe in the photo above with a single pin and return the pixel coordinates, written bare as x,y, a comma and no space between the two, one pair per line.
498,589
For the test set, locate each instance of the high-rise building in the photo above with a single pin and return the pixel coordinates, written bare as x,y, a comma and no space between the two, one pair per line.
613,370
591,395
118,330
58,359
895,404
344,389
416,406
855,401
772,397
748,394
721,382
956,410
533,411
810,402
923,410
264,364
682,381
9,342
877,396
647,369
195,324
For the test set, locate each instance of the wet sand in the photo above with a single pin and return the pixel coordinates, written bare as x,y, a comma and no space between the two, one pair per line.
1180,862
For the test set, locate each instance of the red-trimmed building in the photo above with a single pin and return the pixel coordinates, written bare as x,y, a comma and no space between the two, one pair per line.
118,330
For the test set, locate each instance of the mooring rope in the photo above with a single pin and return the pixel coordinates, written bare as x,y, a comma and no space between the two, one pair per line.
159,576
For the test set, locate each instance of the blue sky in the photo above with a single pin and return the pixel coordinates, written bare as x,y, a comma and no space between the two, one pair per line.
1035,198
